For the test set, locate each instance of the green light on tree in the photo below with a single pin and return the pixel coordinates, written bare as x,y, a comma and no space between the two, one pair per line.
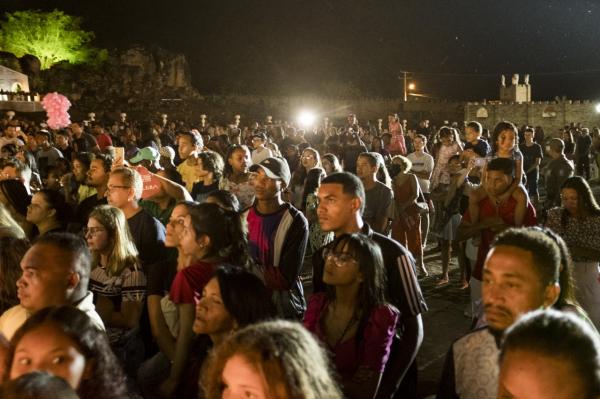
50,36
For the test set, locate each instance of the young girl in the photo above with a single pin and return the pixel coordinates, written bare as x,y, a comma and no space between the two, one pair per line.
117,281
504,145
275,359
398,144
352,318
310,159
236,176
448,145
63,341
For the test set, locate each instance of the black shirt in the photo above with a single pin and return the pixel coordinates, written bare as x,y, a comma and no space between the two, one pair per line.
149,237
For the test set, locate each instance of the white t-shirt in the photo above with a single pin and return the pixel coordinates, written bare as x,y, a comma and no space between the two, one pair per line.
260,155
422,163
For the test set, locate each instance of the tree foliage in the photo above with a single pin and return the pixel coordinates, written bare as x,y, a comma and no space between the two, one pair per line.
51,36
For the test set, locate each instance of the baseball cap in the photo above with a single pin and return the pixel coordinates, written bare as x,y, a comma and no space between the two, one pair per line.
146,154
274,168
167,152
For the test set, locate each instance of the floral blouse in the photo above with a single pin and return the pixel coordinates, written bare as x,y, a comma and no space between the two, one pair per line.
578,232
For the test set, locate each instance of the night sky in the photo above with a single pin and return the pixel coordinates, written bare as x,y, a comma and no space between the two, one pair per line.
456,48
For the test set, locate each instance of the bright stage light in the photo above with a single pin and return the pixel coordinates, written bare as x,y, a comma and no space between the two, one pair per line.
412,86
598,108
306,118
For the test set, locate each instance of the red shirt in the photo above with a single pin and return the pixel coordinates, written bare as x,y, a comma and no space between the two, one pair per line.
103,141
190,280
506,211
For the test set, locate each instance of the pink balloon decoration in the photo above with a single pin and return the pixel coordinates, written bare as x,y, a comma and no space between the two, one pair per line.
56,106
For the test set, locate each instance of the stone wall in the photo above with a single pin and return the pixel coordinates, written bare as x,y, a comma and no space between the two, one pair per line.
550,115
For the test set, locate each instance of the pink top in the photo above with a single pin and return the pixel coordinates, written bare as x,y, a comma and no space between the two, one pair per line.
372,352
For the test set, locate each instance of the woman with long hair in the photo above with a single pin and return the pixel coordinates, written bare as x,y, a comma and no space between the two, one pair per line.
309,159
48,211
577,221
162,312
331,163
351,317
63,340
236,177
233,299
211,236
409,202
117,280
274,359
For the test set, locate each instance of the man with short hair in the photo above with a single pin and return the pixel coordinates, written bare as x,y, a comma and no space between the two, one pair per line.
102,138
82,141
583,146
532,157
341,204
493,215
521,274
11,136
277,237
97,177
379,198
55,271
46,155
550,355
61,138
556,171
124,191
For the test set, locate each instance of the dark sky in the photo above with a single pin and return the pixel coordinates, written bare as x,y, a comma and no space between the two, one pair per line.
455,48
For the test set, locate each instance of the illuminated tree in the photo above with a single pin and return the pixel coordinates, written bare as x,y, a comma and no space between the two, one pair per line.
50,36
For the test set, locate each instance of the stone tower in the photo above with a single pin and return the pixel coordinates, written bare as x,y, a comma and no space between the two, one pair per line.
516,92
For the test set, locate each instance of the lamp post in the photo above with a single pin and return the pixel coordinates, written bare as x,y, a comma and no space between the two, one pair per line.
407,86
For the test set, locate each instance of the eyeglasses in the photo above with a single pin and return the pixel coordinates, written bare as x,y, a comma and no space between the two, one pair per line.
92,231
111,188
338,259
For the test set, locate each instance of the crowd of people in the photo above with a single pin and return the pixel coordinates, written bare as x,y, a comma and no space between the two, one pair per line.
162,260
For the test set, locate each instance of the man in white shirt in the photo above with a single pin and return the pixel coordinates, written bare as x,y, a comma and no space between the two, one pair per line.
56,271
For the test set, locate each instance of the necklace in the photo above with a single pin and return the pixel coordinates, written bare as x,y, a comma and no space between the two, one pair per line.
350,323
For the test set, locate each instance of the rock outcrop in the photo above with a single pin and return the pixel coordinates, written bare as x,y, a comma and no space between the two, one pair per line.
135,80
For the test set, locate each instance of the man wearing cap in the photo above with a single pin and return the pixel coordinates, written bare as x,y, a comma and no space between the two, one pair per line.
148,158
260,152
277,236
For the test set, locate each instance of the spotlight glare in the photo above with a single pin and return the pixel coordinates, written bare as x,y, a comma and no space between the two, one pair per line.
306,118
598,108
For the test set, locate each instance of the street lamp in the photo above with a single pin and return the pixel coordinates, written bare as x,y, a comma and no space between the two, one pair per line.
411,86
